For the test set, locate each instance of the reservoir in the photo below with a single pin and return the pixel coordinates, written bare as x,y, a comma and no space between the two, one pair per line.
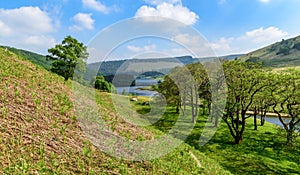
139,83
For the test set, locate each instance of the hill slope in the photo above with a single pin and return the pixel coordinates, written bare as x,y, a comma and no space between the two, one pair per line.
280,54
32,57
39,133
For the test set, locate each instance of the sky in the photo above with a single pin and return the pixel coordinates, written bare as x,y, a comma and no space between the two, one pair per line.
123,28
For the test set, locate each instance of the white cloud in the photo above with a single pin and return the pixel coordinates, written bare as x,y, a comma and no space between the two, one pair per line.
137,49
83,21
26,20
167,10
27,28
264,1
263,35
96,5
193,43
249,41
158,2
222,45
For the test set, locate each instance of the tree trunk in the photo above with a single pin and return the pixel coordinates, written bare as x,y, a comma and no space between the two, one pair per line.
238,138
289,137
195,107
216,121
255,122
262,120
262,117
255,119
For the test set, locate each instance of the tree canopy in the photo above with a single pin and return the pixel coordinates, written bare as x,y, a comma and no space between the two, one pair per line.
67,56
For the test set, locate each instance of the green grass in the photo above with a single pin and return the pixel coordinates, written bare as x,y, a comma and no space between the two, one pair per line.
39,133
263,151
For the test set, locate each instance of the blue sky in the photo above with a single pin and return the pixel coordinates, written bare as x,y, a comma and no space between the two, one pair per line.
229,26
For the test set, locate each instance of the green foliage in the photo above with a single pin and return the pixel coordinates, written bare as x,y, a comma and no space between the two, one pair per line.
286,99
67,56
254,60
244,81
102,85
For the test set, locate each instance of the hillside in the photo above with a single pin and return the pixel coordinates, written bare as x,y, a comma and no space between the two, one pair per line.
280,54
31,56
163,65
39,133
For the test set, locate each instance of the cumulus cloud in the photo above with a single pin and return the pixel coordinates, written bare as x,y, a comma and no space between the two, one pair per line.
137,49
262,35
26,28
249,41
96,5
192,43
83,21
222,44
25,20
176,12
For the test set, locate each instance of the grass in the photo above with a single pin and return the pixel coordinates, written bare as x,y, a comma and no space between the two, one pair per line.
39,132
263,151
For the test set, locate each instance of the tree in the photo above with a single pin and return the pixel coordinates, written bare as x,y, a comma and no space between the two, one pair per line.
244,81
170,90
67,56
101,84
286,99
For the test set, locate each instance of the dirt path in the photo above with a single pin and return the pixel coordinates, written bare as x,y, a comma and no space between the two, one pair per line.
268,114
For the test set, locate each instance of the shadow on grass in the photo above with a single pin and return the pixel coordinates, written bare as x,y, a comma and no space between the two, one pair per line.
263,151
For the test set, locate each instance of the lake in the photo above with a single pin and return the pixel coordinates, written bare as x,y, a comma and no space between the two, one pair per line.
276,121
140,83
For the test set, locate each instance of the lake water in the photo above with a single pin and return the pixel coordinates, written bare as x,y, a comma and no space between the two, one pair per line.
276,121
140,83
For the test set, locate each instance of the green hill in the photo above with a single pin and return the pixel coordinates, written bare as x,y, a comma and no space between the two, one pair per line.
31,56
281,54
39,133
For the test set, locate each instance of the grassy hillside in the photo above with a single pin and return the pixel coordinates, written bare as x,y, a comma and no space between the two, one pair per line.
39,133
280,54
32,57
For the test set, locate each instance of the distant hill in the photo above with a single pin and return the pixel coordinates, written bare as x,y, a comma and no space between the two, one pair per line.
280,54
32,57
133,66
139,65
232,57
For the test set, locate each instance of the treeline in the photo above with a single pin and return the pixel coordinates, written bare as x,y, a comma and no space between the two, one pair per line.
241,87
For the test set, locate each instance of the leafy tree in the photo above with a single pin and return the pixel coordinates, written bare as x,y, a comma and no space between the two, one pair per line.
67,55
286,99
102,85
244,81
170,90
